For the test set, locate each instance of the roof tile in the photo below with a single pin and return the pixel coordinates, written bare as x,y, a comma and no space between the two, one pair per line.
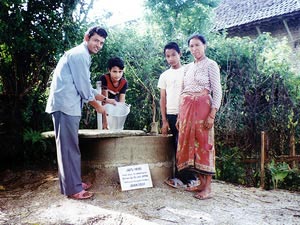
231,13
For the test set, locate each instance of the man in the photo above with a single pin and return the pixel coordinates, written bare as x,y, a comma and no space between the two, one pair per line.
170,84
70,88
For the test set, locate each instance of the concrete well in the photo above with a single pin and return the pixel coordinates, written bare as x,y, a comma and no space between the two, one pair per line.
107,150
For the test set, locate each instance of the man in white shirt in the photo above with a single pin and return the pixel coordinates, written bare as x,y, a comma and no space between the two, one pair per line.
170,84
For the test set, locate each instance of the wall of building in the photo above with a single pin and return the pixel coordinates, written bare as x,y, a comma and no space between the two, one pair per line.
278,29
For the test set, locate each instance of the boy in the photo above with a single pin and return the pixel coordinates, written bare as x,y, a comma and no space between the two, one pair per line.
114,85
170,84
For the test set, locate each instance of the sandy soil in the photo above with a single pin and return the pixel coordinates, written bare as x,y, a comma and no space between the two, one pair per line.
32,197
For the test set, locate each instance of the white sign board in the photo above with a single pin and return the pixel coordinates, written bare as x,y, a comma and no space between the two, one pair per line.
134,177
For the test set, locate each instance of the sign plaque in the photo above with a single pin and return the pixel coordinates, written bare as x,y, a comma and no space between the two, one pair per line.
135,177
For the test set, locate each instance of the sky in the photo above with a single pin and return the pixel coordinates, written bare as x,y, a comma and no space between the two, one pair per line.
123,10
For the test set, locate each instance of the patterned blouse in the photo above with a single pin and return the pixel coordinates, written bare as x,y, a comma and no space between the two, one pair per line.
203,75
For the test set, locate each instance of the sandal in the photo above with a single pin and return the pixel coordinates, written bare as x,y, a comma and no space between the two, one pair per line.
175,183
81,195
193,185
193,188
86,186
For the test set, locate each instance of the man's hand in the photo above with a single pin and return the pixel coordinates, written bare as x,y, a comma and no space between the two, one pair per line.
104,122
165,127
97,106
111,101
100,109
177,124
105,99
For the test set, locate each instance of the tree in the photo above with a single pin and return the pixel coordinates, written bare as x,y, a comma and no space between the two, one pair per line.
180,18
259,94
144,61
33,33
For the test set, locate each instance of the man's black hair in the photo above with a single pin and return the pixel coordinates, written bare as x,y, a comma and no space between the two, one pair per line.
172,45
98,30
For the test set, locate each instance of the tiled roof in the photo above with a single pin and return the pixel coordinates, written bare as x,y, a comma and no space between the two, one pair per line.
232,13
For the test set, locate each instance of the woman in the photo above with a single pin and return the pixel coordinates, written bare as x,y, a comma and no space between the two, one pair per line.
200,99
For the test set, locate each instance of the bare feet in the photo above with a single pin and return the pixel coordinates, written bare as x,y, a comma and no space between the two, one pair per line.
202,195
197,188
206,192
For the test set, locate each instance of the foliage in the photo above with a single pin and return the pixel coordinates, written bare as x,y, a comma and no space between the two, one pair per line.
32,136
292,181
143,64
180,18
33,34
279,172
229,165
260,94
36,151
260,85
34,31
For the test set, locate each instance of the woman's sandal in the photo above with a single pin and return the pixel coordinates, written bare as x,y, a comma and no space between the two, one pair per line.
81,195
86,186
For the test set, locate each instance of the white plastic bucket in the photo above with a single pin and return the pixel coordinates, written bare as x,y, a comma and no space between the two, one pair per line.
117,115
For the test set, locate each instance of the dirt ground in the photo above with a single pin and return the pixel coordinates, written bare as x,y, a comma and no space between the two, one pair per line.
32,197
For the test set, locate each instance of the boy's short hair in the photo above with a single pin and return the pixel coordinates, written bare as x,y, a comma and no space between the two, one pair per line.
197,36
172,45
96,30
115,61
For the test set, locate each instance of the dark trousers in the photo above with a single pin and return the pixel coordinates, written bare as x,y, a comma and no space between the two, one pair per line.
184,176
68,154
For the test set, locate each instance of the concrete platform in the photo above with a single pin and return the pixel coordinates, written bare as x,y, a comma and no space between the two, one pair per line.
106,150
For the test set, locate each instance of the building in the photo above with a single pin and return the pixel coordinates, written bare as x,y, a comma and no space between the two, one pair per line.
253,17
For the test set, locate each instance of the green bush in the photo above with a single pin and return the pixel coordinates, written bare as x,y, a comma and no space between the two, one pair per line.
229,166
38,152
259,94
